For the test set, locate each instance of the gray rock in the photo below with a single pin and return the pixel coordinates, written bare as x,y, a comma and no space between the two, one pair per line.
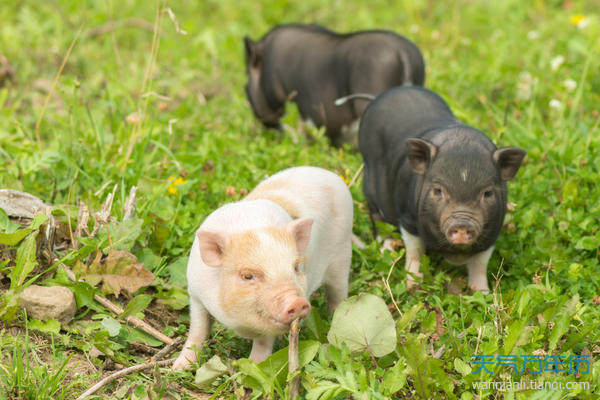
42,302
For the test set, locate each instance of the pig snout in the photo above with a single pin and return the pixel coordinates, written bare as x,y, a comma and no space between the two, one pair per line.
461,230
298,308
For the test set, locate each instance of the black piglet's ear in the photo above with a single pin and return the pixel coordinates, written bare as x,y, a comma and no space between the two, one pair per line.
509,161
420,153
251,49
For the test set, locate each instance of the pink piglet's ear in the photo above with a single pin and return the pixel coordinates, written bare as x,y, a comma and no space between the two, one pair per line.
300,231
212,246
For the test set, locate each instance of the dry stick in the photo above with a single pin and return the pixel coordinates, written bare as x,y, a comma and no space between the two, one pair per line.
356,175
165,350
136,322
293,362
105,381
386,283
58,74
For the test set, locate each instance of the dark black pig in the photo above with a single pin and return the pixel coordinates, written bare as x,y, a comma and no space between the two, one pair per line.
441,182
314,66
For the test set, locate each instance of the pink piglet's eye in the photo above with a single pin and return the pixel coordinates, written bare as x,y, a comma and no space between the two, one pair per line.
247,276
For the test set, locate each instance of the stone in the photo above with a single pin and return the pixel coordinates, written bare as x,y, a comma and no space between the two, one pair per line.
43,302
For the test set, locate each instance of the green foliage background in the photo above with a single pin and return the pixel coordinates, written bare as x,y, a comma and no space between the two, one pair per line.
491,60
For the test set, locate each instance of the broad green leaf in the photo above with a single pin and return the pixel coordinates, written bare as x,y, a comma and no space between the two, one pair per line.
364,322
177,272
515,330
256,378
588,243
209,371
394,379
112,326
136,335
462,367
276,365
6,225
49,326
137,304
176,298
562,321
25,262
11,239
122,234
409,316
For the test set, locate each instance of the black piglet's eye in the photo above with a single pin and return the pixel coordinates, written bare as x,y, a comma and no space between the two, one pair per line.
487,194
437,191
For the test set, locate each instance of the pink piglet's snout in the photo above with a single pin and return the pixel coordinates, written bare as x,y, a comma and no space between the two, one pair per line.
297,308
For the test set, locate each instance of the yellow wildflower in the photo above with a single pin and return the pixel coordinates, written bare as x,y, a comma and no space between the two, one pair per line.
172,189
576,19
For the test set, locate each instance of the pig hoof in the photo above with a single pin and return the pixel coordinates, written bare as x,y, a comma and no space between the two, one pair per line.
185,360
388,244
483,289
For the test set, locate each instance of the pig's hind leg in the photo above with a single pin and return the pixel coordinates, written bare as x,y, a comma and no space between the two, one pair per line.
336,278
200,325
415,248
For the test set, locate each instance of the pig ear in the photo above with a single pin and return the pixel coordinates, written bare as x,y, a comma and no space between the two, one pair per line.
300,231
252,52
509,160
212,247
420,153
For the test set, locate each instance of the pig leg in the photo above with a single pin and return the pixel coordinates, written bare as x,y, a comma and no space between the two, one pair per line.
262,347
415,248
336,279
477,266
200,324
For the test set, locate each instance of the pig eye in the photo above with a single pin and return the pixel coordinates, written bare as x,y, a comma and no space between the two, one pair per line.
488,194
437,192
247,276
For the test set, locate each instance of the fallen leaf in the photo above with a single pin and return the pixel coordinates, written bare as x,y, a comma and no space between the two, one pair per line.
364,322
119,271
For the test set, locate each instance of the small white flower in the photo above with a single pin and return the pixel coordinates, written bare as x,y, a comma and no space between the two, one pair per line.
556,62
414,28
555,104
532,35
570,85
525,85
584,23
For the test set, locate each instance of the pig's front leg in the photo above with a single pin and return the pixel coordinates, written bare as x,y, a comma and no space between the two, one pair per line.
415,248
200,324
262,347
477,266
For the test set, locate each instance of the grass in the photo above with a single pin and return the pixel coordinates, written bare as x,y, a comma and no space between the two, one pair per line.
505,67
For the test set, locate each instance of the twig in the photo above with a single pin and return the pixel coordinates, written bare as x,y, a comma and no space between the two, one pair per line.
127,22
168,348
105,381
136,322
356,175
58,74
386,283
293,362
